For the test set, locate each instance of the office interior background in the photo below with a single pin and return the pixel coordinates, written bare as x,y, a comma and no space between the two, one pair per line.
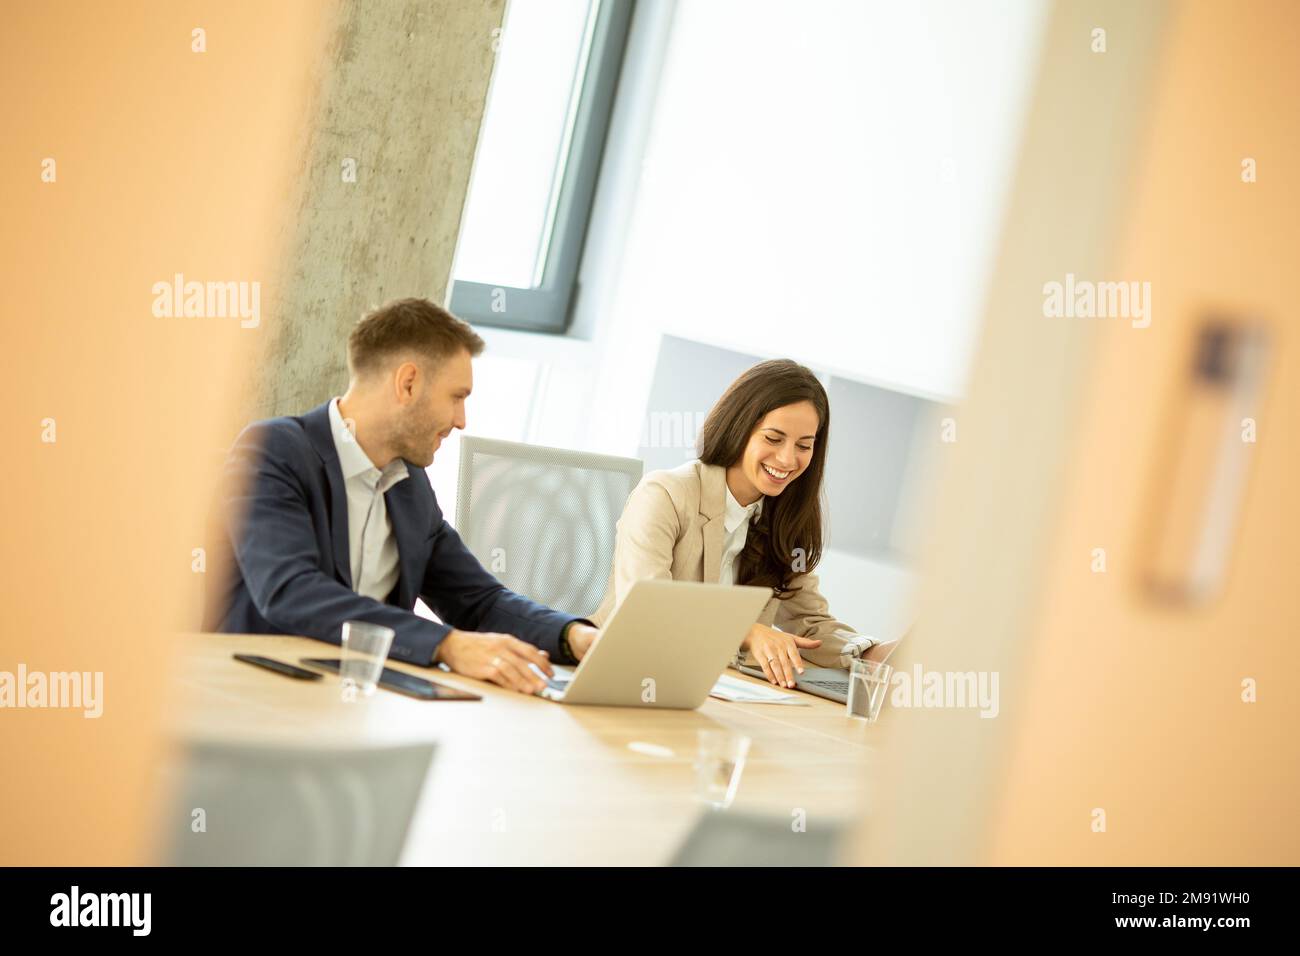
633,204
700,264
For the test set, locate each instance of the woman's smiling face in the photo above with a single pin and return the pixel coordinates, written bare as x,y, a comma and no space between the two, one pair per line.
779,450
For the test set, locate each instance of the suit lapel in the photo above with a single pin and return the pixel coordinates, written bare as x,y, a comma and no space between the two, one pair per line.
713,506
317,424
714,534
410,516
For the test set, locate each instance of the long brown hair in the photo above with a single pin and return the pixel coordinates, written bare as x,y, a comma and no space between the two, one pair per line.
792,520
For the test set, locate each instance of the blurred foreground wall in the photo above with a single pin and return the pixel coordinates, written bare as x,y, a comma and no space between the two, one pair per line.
1100,456
149,146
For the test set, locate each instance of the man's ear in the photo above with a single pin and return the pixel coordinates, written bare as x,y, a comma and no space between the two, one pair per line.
404,380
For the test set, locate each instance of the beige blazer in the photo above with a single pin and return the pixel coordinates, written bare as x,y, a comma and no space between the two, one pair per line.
672,529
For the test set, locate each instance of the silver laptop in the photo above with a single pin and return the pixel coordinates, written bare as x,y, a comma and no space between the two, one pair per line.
664,647
829,682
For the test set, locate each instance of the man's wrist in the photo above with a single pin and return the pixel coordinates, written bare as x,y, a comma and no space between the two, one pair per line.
566,648
439,656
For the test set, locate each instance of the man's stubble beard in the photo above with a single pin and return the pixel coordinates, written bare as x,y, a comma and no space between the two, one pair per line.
414,440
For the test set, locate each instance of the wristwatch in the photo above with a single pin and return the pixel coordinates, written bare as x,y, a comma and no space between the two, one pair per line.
566,649
855,645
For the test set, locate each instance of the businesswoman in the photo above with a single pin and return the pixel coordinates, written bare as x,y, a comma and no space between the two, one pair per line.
748,511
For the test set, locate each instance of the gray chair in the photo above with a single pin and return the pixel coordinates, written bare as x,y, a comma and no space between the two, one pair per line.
542,520
727,838
280,806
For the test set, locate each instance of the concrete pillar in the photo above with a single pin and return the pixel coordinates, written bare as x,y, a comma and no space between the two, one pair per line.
384,177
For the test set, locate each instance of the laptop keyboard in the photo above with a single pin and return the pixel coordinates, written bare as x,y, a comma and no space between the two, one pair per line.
837,685
557,682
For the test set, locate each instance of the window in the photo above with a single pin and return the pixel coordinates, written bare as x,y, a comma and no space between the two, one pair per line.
538,155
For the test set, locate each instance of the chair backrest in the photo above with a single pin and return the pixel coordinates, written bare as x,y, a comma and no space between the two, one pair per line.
542,520
238,804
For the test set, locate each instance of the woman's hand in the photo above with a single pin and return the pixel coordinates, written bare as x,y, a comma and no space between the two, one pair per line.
880,652
777,652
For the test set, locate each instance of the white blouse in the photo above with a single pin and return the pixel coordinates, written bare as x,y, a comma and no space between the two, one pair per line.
736,523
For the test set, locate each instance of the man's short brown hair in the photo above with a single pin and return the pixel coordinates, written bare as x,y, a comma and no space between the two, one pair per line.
408,325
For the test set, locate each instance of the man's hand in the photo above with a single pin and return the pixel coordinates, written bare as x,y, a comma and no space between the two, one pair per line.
499,658
581,637
777,652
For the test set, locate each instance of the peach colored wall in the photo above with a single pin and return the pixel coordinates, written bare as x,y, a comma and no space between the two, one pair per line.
168,161
1134,708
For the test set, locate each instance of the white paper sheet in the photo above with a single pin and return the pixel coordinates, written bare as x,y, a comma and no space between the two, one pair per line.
740,691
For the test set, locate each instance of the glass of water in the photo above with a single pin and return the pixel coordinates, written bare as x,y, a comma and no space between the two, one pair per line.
365,648
868,685
719,762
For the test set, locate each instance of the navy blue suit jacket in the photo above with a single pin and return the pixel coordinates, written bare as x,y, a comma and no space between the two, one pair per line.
282,561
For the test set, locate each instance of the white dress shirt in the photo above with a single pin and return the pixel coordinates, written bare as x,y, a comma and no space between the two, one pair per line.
735,521
372,548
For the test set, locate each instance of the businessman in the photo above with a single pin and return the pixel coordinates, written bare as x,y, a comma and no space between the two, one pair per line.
329,516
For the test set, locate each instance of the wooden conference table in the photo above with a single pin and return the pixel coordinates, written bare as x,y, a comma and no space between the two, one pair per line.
522,780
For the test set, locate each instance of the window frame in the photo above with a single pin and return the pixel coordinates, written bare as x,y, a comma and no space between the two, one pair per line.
548,307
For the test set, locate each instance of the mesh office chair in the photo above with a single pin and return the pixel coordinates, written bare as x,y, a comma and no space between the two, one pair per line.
281,806
542,520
